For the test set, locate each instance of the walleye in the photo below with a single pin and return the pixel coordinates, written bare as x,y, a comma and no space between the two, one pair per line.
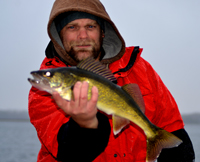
124,103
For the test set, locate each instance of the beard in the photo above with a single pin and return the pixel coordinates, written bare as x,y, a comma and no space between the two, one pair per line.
79,54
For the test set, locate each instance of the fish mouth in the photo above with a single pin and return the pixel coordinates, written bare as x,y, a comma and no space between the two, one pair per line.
38,80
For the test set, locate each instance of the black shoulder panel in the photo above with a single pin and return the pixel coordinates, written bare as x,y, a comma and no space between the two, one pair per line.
50,52
131,61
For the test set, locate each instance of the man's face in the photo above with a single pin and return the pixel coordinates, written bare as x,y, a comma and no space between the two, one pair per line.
82,38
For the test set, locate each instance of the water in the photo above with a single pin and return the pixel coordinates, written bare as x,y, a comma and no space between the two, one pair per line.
19,142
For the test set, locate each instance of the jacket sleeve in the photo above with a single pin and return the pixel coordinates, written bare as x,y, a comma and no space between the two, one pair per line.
47,119
168,117
81,144
163,110
63,138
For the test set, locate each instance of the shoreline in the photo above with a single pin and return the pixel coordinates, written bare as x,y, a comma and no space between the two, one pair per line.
22,116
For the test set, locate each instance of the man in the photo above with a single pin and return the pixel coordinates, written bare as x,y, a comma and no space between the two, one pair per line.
75,130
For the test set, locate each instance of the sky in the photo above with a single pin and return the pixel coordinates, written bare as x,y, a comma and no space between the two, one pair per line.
168,31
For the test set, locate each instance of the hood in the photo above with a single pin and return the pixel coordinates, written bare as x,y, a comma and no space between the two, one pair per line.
113,43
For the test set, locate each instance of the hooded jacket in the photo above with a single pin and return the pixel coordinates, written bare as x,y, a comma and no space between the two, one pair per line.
130,145
129,67
113,43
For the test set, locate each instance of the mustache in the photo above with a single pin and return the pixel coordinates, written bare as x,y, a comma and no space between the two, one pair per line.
82,43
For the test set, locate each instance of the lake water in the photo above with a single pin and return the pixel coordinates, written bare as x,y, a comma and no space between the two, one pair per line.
19,142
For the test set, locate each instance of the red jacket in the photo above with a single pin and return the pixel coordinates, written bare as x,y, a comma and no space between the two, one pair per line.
130,144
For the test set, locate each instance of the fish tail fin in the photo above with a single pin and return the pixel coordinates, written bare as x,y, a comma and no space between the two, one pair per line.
162,139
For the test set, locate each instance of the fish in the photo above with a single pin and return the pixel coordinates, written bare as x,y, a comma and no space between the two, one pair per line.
125,103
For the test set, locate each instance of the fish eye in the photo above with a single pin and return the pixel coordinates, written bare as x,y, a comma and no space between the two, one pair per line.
48,74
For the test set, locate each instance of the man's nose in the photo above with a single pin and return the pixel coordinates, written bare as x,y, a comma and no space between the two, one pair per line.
82,33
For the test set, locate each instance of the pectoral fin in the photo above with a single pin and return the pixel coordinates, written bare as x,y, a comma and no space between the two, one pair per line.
119,123
67,93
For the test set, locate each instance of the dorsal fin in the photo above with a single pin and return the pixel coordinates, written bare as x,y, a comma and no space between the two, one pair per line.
96,67
134,91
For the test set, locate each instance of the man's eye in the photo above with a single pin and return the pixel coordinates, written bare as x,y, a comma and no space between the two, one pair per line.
71,27
91,26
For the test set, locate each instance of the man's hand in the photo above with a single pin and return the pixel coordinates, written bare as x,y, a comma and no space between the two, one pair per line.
82,110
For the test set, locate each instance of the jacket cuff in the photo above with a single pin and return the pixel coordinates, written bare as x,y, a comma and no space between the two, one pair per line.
82,144
183,153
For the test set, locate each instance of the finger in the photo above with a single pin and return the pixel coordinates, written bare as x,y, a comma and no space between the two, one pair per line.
76,93
94,98
84,94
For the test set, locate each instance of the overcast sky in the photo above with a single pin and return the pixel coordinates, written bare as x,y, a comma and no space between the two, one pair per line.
167,30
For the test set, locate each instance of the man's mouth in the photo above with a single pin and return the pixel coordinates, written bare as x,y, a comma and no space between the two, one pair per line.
83,45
